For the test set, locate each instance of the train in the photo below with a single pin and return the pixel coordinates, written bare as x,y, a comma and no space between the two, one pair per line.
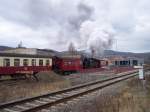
20,65
76,63
16,65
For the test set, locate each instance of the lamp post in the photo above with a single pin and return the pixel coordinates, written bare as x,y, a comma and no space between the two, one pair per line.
141,73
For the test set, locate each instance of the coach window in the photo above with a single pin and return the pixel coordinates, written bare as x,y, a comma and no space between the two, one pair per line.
25,62
69,62
40,62
6,62
16,62
47,62
33,62
65,63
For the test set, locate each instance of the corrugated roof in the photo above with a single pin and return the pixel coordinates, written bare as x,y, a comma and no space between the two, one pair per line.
24,55
69,56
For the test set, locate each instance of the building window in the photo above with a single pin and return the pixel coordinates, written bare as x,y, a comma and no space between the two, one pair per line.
116,63
6,62
129,63
47,62
135,62
16,62
40,62
25,62
33,62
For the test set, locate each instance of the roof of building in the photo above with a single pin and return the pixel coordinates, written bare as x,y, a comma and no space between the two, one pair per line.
24,55
122,58
69,56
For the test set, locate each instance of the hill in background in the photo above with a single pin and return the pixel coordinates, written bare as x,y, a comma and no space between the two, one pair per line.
107,53
2,48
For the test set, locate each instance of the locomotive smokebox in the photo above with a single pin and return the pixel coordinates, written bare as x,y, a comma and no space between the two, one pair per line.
92,52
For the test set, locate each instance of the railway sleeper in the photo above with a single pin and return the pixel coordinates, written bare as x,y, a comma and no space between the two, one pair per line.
59,96
26,105
53,108
37,103
22,107
71,102
46,99
55,98
12,109
45,110
70,92
8,110
50,109
31,104
41,102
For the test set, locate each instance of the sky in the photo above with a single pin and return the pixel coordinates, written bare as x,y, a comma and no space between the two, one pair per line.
122,25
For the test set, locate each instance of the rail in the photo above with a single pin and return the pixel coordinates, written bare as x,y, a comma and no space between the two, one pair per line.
34,104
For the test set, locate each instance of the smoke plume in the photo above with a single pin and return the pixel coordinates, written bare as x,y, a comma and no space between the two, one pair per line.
73,22
96,36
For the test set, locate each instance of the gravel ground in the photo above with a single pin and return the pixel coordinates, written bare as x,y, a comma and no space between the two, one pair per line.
132,95
48,82
80,78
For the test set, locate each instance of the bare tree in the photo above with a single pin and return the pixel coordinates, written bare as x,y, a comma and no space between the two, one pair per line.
71,48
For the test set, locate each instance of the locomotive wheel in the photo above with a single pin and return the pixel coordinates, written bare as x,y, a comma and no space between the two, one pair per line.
17,76
36,78
66,73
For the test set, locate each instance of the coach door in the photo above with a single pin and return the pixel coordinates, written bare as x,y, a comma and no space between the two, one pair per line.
6,62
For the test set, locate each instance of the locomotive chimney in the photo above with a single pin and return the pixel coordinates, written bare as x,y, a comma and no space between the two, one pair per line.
92,52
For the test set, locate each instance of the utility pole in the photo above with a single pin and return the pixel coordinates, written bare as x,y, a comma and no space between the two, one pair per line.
20,45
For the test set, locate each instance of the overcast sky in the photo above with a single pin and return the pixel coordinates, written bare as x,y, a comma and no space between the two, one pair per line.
54,24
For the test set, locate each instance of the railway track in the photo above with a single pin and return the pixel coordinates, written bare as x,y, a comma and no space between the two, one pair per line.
10,82
38,103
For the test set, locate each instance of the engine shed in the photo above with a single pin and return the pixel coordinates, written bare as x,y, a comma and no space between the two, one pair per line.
129,61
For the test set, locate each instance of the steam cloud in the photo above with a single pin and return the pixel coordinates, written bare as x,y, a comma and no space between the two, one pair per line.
96,36
73,22
54,24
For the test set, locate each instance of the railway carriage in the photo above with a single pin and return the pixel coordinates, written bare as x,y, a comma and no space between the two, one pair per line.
66,65
16,64
74,63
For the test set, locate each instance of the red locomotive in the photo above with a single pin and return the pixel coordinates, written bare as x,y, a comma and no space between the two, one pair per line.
74,63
